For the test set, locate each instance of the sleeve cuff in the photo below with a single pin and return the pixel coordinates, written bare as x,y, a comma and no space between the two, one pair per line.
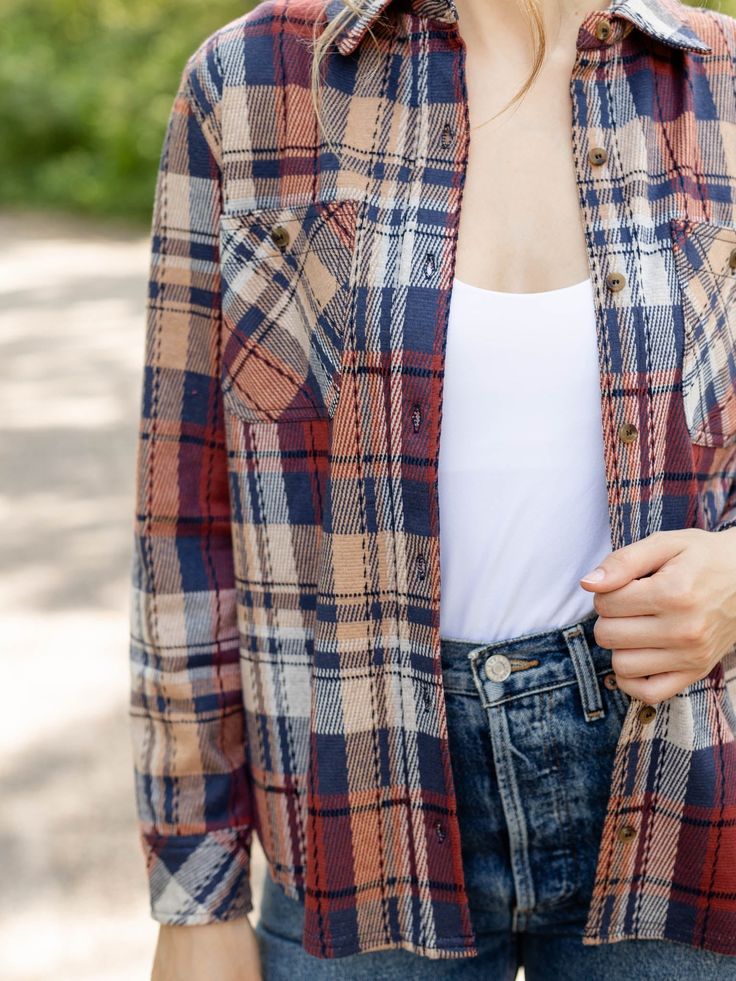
197,879
729,521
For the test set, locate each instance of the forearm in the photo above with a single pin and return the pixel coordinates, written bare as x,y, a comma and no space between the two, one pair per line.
227,951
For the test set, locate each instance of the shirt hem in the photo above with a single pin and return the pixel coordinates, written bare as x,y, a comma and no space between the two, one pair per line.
453,948
652,932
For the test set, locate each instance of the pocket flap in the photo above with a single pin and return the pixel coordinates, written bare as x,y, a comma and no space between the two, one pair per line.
286,297
705,264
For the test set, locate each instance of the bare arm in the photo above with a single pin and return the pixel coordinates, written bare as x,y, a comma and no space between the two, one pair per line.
227,951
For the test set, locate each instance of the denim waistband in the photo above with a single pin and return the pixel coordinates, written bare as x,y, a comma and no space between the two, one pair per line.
529,663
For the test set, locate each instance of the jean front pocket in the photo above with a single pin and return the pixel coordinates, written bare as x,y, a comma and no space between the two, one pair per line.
286,298
705,267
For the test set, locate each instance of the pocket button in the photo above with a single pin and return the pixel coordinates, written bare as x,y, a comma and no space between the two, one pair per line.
280,236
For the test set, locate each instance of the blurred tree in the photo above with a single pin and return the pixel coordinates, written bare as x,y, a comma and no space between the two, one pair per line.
85,90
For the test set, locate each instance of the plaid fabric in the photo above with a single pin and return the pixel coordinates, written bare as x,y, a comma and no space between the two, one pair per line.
285,648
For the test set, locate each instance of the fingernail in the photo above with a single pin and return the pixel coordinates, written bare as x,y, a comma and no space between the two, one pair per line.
595,576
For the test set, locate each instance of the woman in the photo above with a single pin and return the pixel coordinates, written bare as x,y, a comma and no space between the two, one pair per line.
536,766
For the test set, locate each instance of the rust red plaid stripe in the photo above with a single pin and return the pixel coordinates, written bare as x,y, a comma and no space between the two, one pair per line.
285,650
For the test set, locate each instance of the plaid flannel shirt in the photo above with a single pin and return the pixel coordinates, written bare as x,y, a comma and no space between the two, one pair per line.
285,653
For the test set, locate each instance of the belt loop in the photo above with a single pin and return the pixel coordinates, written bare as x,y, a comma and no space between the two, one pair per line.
582,660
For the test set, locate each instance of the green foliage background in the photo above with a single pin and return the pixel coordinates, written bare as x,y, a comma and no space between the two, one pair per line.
85,90
86,87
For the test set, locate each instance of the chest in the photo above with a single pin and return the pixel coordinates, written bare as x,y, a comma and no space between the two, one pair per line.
338,257
520,227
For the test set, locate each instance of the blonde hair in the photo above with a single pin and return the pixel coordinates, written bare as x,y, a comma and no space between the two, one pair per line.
321,43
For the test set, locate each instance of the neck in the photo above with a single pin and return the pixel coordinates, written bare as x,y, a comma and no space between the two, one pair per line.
488,24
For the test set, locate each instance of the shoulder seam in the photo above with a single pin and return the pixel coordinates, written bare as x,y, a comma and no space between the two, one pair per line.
195,64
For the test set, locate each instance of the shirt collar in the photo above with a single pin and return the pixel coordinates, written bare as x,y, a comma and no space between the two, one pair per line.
664,20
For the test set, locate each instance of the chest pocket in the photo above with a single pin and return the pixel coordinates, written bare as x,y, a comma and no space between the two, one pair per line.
705,265
286,298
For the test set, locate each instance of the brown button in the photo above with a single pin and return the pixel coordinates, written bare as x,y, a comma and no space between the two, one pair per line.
627,432
615,281
626,832
603,30
280,236
647,713
609,680
732,259
597,156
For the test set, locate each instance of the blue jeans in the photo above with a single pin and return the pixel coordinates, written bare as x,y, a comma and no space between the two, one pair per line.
533,727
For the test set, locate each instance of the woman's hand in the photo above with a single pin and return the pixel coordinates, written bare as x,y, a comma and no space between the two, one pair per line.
671,627
227,951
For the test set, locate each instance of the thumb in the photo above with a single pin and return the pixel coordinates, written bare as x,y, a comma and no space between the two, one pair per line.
633,561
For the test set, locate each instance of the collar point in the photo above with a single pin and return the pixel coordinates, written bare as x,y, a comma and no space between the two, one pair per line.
346,44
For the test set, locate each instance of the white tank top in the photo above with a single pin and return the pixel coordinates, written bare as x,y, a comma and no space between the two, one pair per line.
522,491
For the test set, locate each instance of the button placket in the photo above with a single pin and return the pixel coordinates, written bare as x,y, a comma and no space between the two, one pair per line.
604,30
647,713
626,833
627,432
597,155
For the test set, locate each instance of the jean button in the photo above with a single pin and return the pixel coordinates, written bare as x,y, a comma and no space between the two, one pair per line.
498,667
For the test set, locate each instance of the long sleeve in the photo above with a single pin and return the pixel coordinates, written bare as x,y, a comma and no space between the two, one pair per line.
186,710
